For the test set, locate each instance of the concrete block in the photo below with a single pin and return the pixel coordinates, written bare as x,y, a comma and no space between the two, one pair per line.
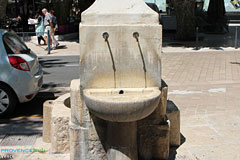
154,141
173,114
47,117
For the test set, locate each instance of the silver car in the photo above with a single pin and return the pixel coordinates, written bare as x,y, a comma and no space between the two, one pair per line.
21,75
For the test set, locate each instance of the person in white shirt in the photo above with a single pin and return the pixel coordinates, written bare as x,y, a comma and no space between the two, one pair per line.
48,26
55,27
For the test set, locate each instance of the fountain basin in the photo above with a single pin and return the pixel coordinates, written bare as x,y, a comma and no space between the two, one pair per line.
122,104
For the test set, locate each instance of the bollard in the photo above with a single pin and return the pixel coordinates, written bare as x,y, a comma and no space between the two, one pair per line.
48,38
197,39
23,36
236,38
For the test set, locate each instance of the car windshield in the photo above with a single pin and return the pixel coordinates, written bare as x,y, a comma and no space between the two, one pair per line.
13,44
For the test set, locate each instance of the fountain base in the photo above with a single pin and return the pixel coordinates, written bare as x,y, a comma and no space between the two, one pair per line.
90,137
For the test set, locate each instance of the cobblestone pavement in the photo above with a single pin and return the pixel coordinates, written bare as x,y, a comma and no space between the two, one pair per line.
206,88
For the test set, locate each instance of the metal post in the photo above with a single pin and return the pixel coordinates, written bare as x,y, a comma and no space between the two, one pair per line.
48,38
236,38
23,36
197,39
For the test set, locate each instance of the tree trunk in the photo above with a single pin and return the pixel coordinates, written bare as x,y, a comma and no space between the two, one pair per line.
216,9
185,14
3,7
216,16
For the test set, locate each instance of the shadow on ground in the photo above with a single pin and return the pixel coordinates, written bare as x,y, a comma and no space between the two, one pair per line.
62,47
238,63
173,149
51,63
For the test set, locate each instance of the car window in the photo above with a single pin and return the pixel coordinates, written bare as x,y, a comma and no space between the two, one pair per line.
13,44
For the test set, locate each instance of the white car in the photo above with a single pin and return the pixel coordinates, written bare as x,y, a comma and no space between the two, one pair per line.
21,75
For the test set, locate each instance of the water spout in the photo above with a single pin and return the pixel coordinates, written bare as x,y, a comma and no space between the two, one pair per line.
136,36
106,36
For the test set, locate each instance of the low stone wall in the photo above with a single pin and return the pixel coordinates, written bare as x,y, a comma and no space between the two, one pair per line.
56,117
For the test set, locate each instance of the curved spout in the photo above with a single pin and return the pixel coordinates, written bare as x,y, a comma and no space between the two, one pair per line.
136,36
106,36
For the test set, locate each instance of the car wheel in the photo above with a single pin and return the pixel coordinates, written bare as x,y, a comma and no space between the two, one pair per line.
8,100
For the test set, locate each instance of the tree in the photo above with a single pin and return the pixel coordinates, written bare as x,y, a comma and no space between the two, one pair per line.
216,9
62,10
185,15
3,7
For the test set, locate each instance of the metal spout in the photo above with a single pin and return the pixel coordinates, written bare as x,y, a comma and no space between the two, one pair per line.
136,36
106,36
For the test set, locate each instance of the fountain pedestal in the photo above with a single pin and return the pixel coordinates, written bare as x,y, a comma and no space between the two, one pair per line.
95,138
119,101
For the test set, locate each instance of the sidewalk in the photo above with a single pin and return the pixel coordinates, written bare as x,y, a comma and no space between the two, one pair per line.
72,48
207,43
206,88
65,48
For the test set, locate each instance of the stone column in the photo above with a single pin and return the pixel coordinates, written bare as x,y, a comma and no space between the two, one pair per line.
87,132
122,141
47,118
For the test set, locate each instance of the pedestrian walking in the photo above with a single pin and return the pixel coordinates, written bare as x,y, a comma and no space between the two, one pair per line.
54,28
39,28
48,26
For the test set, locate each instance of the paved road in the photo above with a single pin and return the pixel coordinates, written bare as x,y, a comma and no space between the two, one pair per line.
59,70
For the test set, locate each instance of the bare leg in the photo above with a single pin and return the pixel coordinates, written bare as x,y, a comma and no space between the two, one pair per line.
54,41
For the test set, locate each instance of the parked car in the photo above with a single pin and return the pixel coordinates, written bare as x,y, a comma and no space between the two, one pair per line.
21,75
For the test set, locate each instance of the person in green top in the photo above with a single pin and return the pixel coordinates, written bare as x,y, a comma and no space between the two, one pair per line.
39,28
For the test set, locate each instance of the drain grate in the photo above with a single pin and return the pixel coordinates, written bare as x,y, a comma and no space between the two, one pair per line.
19,140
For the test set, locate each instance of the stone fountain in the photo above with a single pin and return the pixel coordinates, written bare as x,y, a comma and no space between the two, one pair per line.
119,105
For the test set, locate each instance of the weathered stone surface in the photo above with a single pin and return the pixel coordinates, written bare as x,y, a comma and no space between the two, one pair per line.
133,104
124,52
78,142
159,114
60,125
47,118
162,109
60,135
173,114
153,141
97,138
96,66
122,141
76,102
122,12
